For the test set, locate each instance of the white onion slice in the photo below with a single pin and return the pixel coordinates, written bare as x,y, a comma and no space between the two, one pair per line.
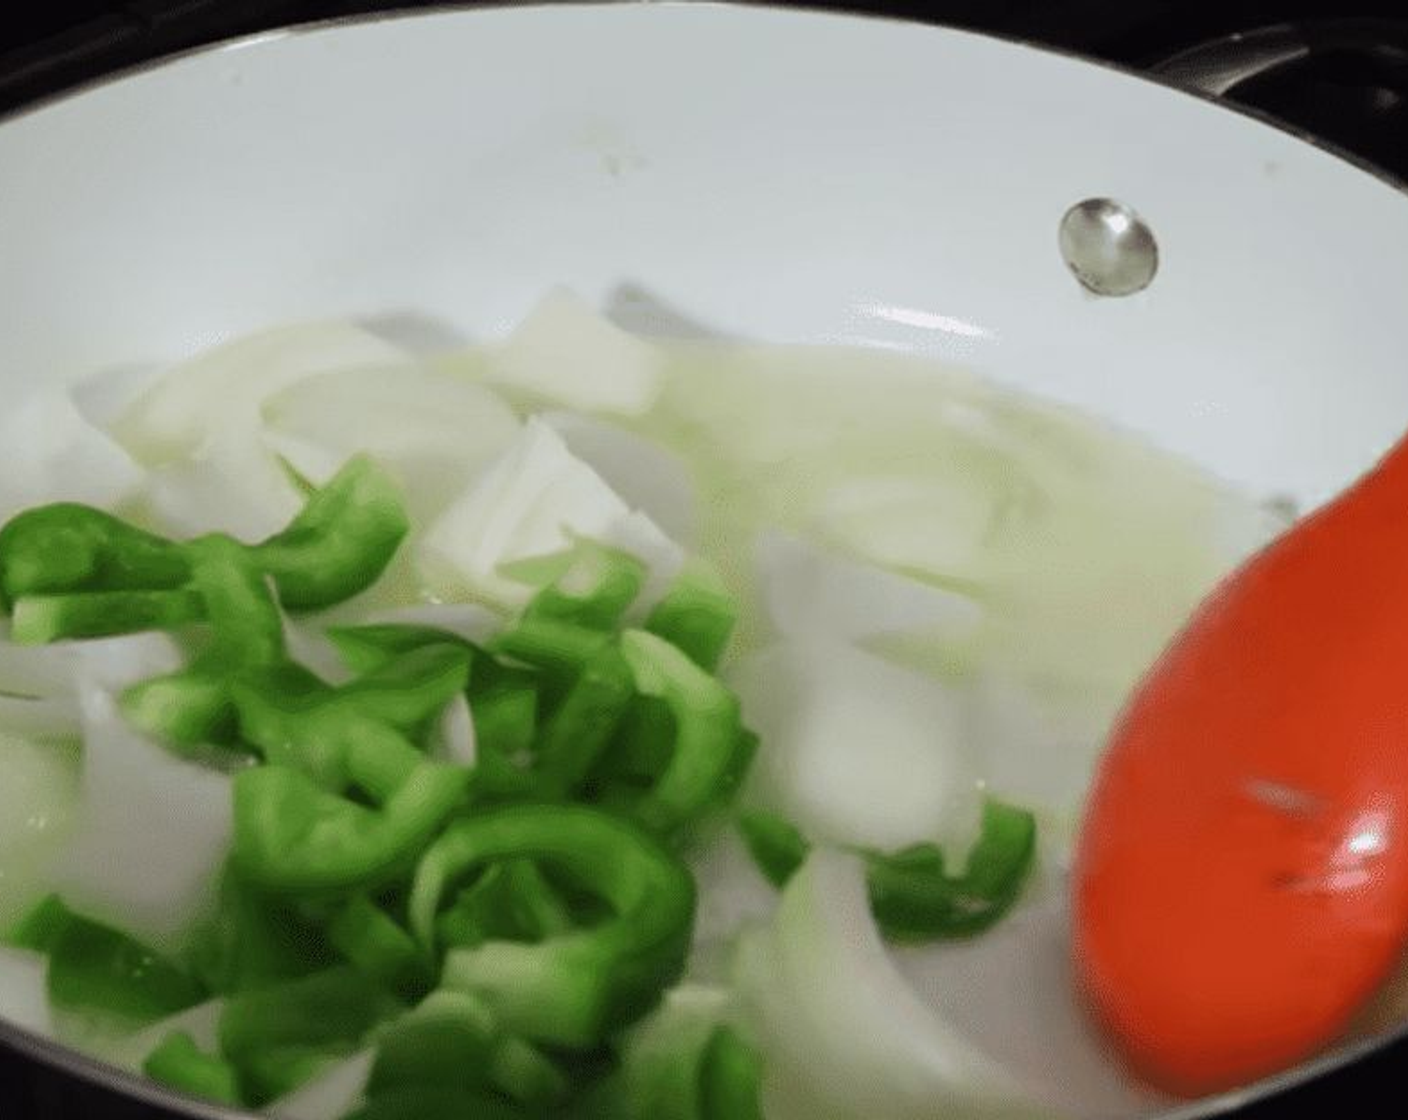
1012,992
225,385
529,503
455,733
53,454
809,590
855,750
646,475
24,997
566,353
330,1094
152,830
201,1022
39,718
230,483
431,429
845,1037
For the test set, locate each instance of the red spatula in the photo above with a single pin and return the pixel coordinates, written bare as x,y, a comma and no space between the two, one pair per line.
1241,881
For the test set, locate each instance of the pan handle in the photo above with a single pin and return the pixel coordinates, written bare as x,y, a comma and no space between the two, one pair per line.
1378,48
1218,66
1344,81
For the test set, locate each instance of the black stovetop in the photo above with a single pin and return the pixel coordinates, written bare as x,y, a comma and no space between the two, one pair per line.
1342,79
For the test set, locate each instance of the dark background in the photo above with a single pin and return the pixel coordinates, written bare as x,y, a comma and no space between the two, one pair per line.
1349,86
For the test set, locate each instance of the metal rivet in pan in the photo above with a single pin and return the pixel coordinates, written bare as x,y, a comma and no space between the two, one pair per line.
1108,247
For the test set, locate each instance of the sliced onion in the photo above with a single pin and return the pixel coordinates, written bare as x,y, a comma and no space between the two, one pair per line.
732,893
855,750
38,797
646,475
152,830
664,559
455,733
529,503
331,1094
1012,993
845,1037
24,997
308,645
34,670
39,718
566,353
201,1022
114,663
1033,751
929,524
231,483
53,454
226,384
809,590
431,429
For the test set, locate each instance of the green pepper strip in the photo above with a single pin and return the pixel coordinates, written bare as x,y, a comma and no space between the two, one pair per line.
39,926
279,1037
730,1078
97,614
581,728
356,733
194,704
292,835
376,945
95,968
364,649
707,725
184,1066
452,1041
254,939
270,1074
697,615
335,1007
911,895
340,542
438,1104
590,584
559,649
777,846
575,988
67,547
914,900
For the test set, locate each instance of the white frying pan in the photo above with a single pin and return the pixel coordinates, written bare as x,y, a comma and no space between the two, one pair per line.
771,174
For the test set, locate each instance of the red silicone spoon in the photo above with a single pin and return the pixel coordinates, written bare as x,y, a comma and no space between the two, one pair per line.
1241,881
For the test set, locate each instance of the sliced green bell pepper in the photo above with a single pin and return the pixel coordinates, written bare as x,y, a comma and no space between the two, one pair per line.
709,734
96,969
697,615
366,648
452,1041
254,939
588,585
912,896
375,944
37,619
575,988
914,899
67,547
439,1104
341,541
730,1078
292,835
581,727
179,1063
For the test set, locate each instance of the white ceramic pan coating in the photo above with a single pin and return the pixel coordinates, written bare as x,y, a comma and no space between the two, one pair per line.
772,174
